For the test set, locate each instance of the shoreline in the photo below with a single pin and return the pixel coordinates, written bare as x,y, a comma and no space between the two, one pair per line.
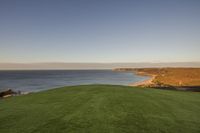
184,79
145,82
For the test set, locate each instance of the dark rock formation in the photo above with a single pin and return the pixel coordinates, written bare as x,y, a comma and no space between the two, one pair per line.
7,93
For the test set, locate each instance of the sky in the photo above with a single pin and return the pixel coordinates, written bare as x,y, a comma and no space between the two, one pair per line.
99,31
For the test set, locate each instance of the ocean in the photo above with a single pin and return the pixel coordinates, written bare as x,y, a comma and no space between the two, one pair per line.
39,80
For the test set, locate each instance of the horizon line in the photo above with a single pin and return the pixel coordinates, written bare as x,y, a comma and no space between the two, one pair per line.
71,66
99,62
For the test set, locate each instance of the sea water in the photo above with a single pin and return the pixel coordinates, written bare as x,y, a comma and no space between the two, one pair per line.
38,80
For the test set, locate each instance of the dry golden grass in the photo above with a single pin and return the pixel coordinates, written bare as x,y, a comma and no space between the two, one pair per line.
173,76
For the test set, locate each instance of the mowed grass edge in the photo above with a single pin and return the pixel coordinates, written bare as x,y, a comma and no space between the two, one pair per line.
101,109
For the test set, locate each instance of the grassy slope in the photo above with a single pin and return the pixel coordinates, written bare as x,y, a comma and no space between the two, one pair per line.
101,108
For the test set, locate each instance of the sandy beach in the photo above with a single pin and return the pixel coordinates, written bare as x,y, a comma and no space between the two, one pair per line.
145,82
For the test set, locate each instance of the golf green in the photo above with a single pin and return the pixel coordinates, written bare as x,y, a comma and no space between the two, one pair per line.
101,109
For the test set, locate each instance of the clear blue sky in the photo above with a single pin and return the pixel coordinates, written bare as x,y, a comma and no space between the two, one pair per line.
99,30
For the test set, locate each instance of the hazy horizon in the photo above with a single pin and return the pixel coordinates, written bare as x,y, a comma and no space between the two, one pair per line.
62,65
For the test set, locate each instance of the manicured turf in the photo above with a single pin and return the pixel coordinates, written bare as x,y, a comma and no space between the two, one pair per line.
101,109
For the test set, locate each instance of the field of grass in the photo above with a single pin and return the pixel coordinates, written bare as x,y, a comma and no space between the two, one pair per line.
101,109
175,76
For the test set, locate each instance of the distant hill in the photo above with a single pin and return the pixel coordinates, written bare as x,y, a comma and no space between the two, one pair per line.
175,77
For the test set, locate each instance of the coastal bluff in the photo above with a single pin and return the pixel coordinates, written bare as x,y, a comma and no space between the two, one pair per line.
185,78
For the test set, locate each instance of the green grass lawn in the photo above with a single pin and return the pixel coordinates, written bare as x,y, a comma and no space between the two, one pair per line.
101,109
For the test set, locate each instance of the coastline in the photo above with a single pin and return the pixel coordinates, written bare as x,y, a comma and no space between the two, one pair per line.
167,78
144,83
